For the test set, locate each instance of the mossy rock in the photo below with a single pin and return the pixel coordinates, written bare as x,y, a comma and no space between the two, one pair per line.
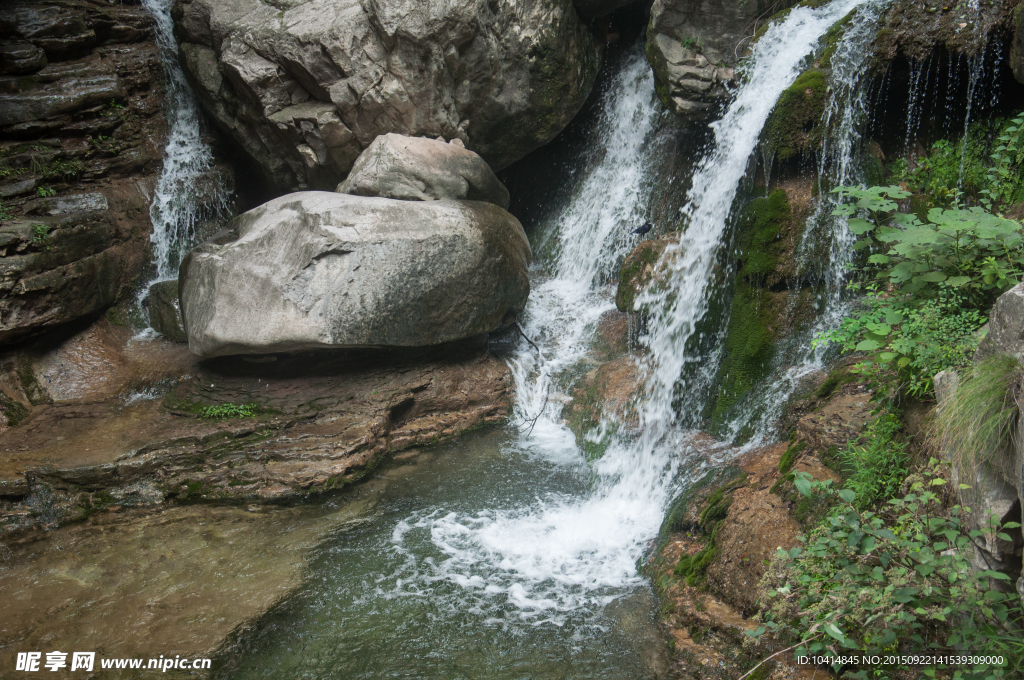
794,126
759,242
639,270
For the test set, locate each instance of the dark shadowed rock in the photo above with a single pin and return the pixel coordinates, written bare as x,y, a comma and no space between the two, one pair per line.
590,9
60,31
326,270
305,86
420,169
1017,50
75,259
20,57
165,312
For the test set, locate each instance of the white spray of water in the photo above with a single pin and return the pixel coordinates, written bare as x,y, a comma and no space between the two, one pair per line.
188,192
564,552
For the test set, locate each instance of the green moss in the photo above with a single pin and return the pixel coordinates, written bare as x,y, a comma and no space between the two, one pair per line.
833,37
789,457
14,410
716,508
635,274
758,241
794,126
749,349
837,378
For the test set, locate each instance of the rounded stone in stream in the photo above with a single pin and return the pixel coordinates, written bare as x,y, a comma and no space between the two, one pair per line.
326,270
420,169
165,312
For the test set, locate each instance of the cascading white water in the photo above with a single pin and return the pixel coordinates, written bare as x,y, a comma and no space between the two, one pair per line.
563,552
778,59
846,110
188,192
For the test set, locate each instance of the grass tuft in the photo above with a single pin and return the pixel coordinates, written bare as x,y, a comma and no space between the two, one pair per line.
975,426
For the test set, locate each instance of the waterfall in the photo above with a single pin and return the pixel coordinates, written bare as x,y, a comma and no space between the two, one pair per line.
188,192
778,59
846,111
567,552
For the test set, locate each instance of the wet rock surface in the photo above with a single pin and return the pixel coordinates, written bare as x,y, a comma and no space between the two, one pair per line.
708,621
693,47
320,270
304,88
268,427
82,135
165,311
74,258
420,169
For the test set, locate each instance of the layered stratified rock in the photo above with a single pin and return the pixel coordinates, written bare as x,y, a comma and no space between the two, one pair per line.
75,259
692,47
420,169
305,86
82,134
320,270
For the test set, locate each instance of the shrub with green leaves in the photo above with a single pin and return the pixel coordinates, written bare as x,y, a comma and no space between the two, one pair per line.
926,282
898,582
986,166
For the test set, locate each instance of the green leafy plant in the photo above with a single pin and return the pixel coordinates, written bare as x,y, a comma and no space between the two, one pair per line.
882,584
1004,181
925,282
875,467
41,235
987,165
5,213
225,411
46,192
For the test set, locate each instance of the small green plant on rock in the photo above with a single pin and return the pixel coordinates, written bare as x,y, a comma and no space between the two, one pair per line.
875,467
46,192
226,410
976,425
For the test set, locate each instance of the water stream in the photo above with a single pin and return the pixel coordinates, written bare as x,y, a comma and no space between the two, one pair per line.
188,192
508,555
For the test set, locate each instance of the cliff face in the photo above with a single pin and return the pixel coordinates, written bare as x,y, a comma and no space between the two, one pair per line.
82,131
303,90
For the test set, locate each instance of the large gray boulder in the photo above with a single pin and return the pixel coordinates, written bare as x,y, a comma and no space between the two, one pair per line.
304,86
420,169
326,270
693,45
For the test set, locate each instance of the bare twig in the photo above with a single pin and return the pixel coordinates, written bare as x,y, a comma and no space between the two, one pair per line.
527,338
777,653
547,392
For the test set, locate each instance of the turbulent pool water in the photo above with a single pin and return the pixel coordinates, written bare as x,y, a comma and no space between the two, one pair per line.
508,555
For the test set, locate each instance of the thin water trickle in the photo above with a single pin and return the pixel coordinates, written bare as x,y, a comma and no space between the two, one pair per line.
188,192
